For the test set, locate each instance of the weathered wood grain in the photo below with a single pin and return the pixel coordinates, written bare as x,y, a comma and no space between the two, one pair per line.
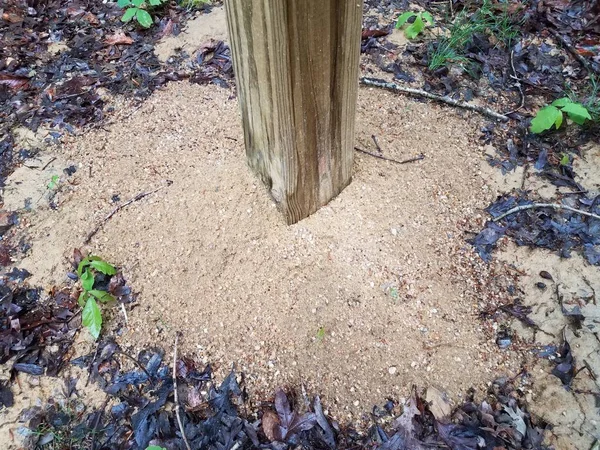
296,65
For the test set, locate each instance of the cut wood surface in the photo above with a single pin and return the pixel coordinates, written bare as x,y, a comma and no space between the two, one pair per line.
296,65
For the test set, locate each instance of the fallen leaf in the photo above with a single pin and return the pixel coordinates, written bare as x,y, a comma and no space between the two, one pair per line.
15,82
270,426
118,38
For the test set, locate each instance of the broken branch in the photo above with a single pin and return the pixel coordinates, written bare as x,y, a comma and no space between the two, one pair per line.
584,62
119,208
443,99
545,205
406,161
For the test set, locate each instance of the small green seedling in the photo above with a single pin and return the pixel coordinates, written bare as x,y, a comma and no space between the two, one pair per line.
155,447
321,334
53,184
552,115
421,20
91,314
137,9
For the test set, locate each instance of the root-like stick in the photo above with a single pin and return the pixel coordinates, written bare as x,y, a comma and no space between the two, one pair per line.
584,62
545,205
444,99
179,422
518,84
406,161
138,197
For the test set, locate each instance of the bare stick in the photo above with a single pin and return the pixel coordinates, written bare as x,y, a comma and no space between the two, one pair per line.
444,99
545,205
518,85
119,208
584,62
377,146
48,163
406,161
124,313
187,444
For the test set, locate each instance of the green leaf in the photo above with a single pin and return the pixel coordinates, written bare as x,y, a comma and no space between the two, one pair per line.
155,2
137,3
81,299
92,317
103,296
403,18
143,18
103,267
577,113
87,280
155,447
545,118
123,3
427,16
86,262
129,14
559,120
565,160
413,30
559,103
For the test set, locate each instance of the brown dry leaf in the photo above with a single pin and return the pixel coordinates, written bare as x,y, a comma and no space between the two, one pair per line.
12,17
168,30
194,399
119,38
14,81
270,426
92,19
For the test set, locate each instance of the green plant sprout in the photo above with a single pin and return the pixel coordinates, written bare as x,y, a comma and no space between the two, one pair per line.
321,334
553,115
155,447
91,314
137,9
422,19
53,184
451,48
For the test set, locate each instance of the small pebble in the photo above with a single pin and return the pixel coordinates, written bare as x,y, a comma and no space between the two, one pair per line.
392,370
541,286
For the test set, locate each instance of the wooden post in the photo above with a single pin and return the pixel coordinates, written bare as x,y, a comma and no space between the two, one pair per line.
296,64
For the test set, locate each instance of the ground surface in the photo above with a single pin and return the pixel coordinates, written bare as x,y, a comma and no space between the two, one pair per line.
376,292
212,257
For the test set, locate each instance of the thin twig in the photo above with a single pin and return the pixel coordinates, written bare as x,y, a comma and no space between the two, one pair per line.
125,314
406,161
545,205
97,422
91,366
48,163
119,208
187,444
444,99
136,362
515,77
584,62
377,146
